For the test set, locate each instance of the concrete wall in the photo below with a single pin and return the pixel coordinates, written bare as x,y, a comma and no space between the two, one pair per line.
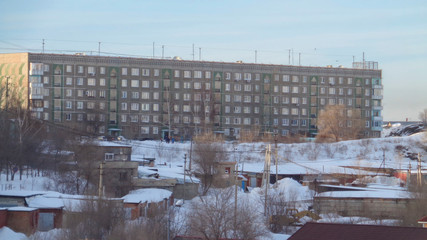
369,207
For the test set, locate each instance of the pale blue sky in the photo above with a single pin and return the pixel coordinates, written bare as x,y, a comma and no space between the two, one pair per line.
394,33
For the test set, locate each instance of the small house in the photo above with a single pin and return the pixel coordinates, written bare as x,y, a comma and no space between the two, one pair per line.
23,219
145,202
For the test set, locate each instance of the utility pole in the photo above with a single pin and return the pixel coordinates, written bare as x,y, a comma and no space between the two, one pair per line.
185,165
419,174
193,51
191,151
7,92
256,56
236,172
101,173
277,159
163,51
43,46
266,176
289,56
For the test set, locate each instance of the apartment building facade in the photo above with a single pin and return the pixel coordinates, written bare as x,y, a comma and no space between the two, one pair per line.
150,98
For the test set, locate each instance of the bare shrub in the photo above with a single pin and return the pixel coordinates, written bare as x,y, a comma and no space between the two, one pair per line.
313,150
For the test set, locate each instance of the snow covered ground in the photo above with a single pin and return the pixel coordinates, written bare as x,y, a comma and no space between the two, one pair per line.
394,152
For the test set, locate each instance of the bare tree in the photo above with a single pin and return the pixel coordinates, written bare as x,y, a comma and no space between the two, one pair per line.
337,123
214,217
95,219
206,153
423,116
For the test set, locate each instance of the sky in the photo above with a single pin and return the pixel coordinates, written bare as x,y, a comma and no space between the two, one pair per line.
312,33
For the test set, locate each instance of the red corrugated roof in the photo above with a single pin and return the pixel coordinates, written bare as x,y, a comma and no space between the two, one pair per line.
331,231
423,219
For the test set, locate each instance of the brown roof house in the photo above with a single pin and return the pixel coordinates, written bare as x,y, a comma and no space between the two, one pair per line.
333,231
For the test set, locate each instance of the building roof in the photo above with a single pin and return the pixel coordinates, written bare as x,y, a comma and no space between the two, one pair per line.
423,220
332,231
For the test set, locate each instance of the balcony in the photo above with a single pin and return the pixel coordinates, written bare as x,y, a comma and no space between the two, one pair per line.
377,107
379,97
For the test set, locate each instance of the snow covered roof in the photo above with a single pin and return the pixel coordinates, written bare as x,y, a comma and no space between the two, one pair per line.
18,193
44,202
147,195
368,193
112,144
21,209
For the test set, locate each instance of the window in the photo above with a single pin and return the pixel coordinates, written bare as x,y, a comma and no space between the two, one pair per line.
145,130
276,89
187,96
285,89
294,122
134,83
124,71
80,117
124,106
247,76
79,105
331,91
237,76
123,118
349,81
69,92
350,91
124,94
322,90
156,84
135,95
80,81
145,95
294,111
156,95
237,110
176,73
145,84
247,99
227,87
285,122
295,79
208,74
197,97
285,100
90,105
124,83
227,98
80,69
256,99
197,74
102,70
134,118
366,103
135,71
285,111
176,85
69,68
237,121
145,107
246,121
295,100
134,106
79,93
102,82
68,116
69,81
237,87
102,105
294,89
68,104
187,85
227,76
303,111
197,85
91,81
46,80
237,98
285,78
145,118
155,107
304,100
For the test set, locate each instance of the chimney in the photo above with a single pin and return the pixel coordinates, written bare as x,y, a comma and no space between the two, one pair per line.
423,221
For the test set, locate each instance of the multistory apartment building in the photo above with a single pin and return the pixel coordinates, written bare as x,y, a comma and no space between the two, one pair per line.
149,98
